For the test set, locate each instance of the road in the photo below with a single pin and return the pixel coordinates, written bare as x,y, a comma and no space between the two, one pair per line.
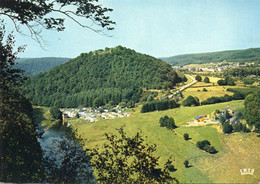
185,86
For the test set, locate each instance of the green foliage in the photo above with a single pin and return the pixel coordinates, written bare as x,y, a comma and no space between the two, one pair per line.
222,119
167,122
227,81
33,66
206,80
128,160
247,55
159,105
243,71
55,113
20,152
252,110
225,98
204,89
116,75
205,145
198,78
186,136
227,128
186,163
190,101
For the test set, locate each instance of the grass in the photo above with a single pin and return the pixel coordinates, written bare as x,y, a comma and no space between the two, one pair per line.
173,144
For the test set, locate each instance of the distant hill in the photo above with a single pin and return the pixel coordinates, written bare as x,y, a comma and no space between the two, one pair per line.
247,55
33,66
100,77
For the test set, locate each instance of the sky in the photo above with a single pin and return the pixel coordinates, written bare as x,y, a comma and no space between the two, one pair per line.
160,28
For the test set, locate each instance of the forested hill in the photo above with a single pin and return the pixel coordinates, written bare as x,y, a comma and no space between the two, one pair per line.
247,55
33,66
100,77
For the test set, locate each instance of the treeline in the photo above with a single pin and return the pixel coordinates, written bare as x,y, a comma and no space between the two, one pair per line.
247,55
159,105
114,74
242,71
104,96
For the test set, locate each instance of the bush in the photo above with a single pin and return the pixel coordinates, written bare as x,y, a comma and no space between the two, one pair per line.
204,89
186,163
227,128
221,82
186,136
206,80
211,150
198,78
171,168
190,100
205,145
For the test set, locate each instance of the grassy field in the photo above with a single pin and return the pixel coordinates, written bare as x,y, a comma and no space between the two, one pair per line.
205,167
213,89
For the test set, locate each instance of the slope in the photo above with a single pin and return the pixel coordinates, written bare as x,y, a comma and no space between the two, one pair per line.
33,66
97,78
247,55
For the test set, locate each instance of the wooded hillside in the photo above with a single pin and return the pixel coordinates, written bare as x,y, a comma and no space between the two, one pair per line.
116,75
247,55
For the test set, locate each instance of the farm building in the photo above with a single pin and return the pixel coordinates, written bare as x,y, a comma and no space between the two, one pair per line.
199,119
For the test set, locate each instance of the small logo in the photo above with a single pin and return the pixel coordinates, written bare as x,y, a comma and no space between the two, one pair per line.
247,171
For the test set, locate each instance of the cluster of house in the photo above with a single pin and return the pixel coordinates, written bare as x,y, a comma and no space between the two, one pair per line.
203,118
212,67
92,114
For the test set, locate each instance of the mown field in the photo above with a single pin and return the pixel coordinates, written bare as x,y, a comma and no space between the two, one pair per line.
213,89
236,151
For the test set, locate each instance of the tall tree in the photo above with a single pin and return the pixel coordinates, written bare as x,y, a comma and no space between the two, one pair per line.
20,152
128,160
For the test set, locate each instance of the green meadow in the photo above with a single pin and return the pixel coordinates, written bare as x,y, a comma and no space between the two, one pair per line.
171,143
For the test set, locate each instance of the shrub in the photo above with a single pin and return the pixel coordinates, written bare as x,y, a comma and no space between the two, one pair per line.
204,89
186,136
198,78
55,113
171,168
206,80
186,163
211,150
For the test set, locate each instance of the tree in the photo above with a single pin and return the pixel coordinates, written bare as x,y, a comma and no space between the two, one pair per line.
38,14
190,100
206,80
186,163
128,160
20,152
198,78
221,82
227,128
167,122
252,110
55,113
186,136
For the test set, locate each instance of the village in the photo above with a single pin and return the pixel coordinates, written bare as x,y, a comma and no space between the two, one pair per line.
212,67
91,114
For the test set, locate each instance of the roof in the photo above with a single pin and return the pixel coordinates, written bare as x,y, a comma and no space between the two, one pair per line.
197,117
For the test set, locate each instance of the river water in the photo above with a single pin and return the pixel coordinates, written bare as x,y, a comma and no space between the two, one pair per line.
58,147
